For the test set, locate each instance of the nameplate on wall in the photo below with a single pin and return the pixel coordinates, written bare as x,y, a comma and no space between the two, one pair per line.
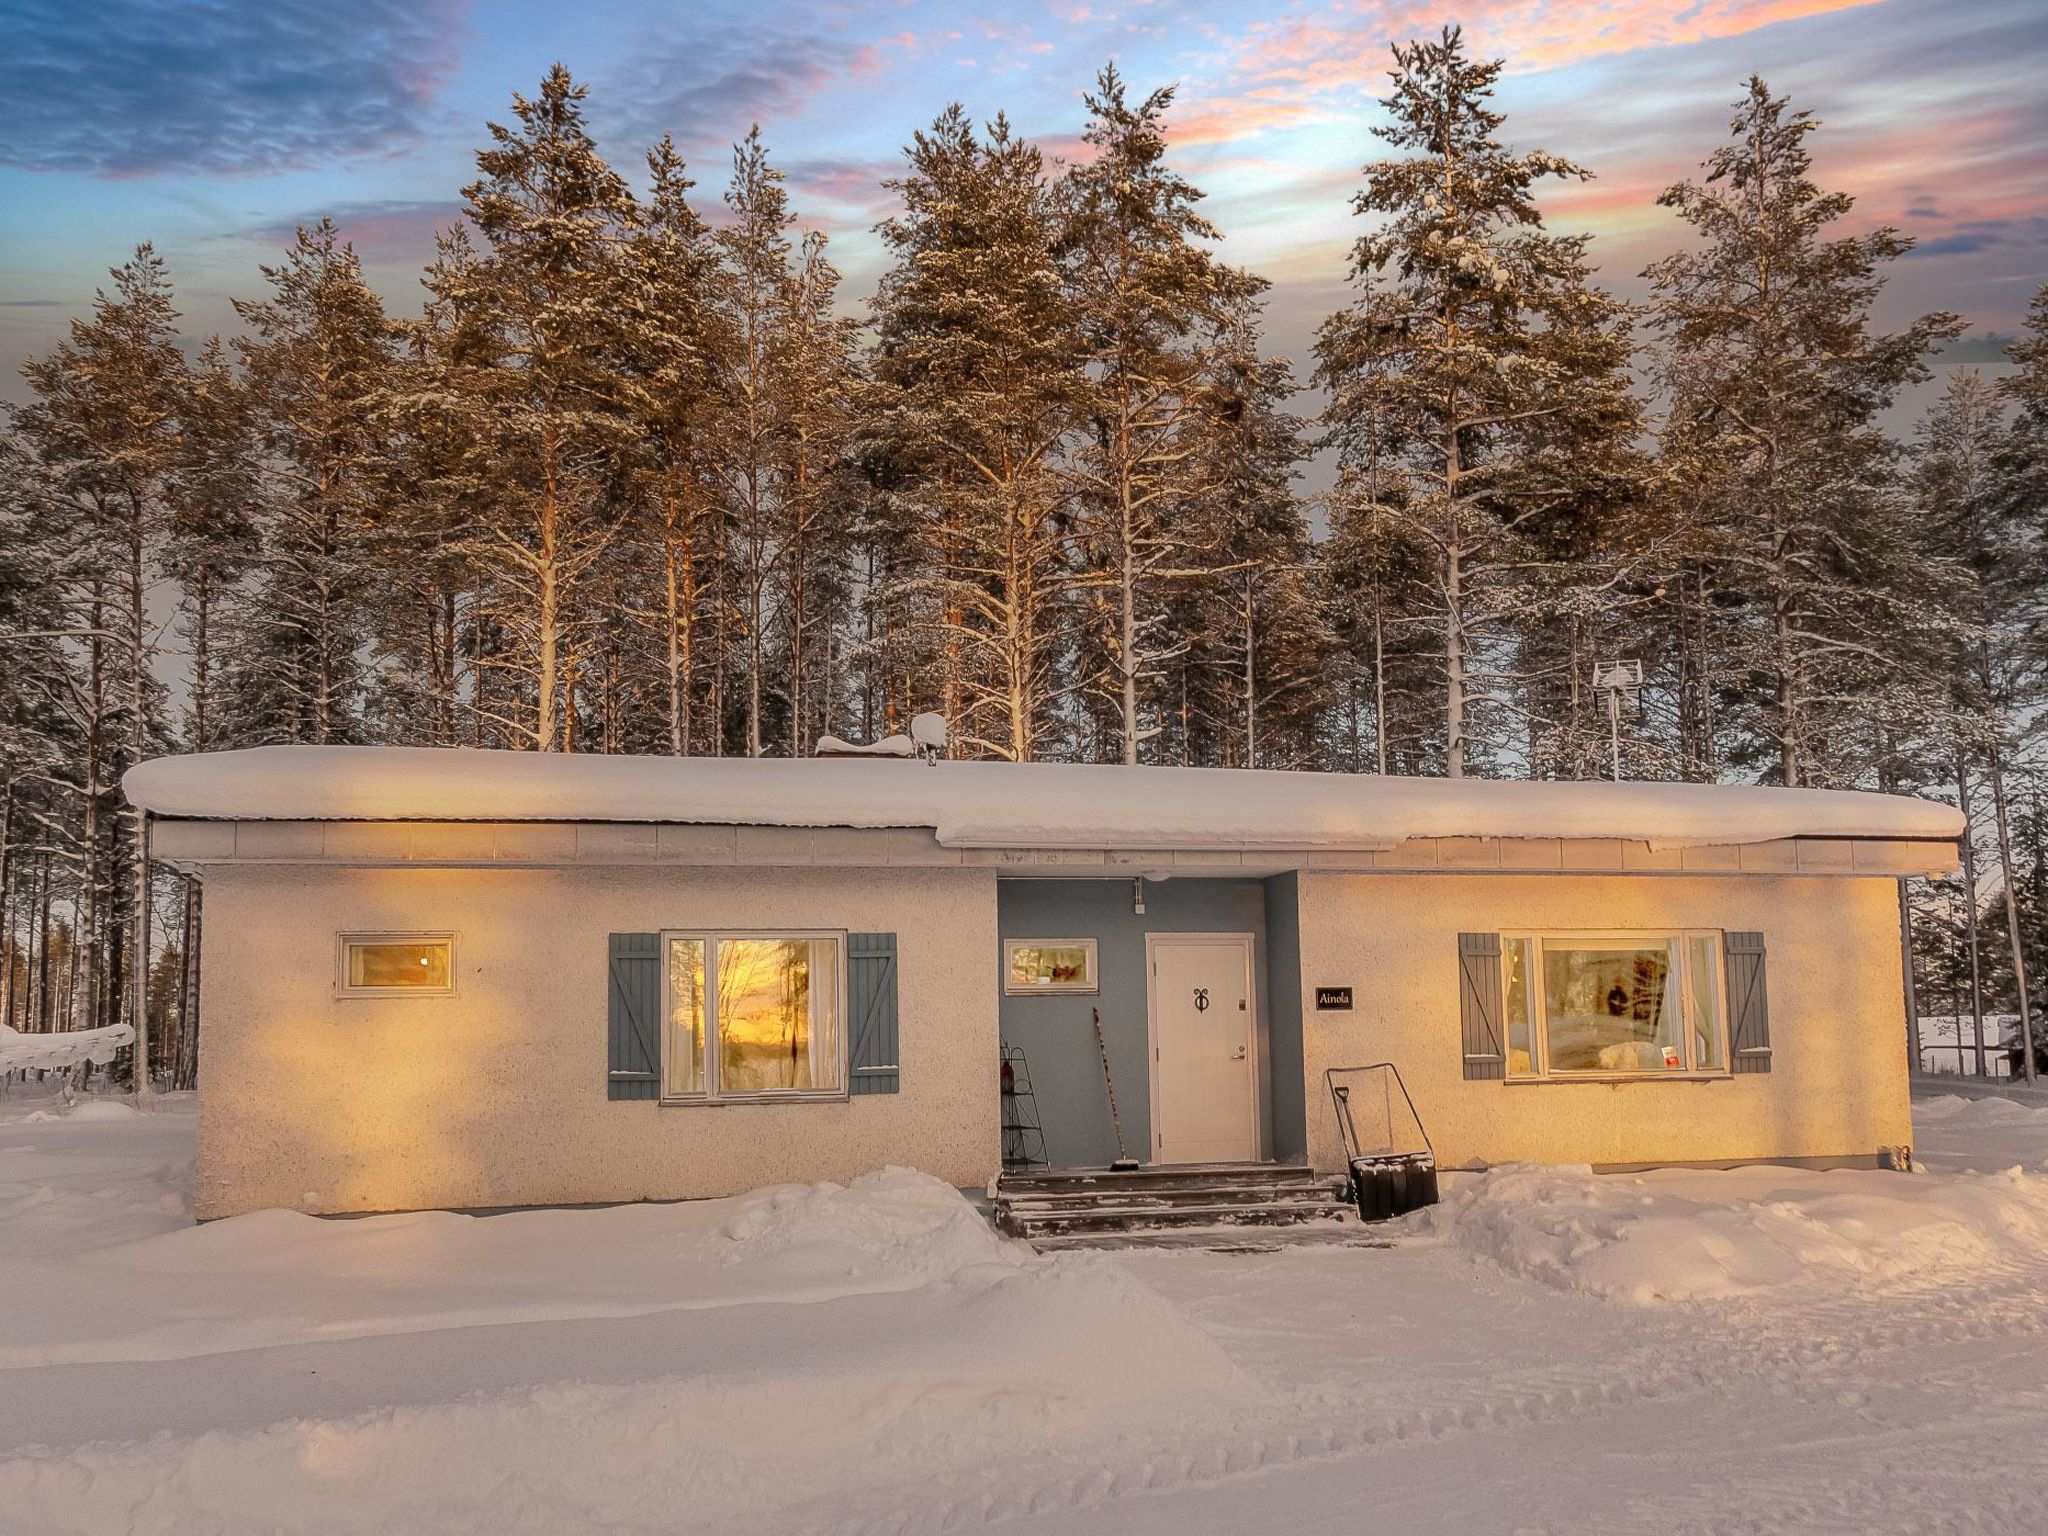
1333,999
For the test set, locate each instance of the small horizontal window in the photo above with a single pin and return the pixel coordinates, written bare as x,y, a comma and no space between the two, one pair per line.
386,964
1037,967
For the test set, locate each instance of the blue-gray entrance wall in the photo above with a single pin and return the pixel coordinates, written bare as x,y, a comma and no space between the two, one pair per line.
1058,1040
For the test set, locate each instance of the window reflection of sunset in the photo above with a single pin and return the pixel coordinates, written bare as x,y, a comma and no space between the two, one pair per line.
764,1014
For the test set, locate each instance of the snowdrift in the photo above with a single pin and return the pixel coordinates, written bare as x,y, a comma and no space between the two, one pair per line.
677,1367
1682,1235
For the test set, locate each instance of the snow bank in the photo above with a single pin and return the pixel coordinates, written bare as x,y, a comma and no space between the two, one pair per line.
730,1366
1955,1111
864,1392
1954,1134
1683,1235
280,1277
989,804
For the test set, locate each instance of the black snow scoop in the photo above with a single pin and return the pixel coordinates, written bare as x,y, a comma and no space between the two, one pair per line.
1385,1182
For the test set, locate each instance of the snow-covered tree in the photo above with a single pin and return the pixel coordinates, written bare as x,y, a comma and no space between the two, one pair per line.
1776,381
1477,359
673,353
318,368
530,326
105,417
979,362
1157,314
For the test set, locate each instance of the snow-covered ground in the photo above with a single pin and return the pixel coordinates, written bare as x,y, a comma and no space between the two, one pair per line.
1757,1351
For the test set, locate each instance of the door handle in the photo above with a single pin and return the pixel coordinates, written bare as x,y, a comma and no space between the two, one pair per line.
1238,1054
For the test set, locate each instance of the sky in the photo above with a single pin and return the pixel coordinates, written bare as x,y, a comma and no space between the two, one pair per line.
213,127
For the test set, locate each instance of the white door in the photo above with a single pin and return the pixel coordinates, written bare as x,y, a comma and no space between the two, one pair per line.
1204,1049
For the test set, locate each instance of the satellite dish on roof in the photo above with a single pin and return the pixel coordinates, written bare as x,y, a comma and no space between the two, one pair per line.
928,735
1620,681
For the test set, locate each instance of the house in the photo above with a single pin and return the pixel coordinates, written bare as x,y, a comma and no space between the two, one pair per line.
1965,1045
476,979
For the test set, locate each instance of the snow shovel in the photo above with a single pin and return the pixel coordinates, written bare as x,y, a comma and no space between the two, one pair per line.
1124,1163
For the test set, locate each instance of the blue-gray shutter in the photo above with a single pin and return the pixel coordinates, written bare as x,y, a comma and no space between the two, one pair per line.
871,1061
1749,1008
633,1057
1479,1005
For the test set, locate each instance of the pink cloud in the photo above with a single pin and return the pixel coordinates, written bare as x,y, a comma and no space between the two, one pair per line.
1345,48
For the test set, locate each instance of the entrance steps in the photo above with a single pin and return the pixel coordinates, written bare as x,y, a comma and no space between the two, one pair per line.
1182,1204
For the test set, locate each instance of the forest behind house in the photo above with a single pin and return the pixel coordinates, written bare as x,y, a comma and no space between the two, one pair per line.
641,479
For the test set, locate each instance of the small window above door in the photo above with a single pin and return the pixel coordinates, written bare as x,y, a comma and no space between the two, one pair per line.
1049,967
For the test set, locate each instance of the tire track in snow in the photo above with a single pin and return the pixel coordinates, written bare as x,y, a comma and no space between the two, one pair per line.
1811,1348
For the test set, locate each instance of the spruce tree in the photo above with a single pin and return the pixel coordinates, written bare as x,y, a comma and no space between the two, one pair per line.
1776,381
106,418
1477,359
319,368
979,363
676,351
534,325
213,535
1156,312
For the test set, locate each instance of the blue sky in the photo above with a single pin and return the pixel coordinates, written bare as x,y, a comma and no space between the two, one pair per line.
213,126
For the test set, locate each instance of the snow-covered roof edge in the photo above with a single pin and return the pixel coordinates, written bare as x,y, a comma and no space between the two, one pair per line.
1001,805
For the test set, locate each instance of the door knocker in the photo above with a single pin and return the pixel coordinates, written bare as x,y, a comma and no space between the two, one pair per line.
1201,999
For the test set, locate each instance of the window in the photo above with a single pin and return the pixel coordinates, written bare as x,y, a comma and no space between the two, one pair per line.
1614,1004
754,1015
390,964
1048,966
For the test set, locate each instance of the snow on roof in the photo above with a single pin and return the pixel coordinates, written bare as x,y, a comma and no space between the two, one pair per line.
999,805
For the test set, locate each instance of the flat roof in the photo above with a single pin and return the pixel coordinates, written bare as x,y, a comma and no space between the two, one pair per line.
1002,805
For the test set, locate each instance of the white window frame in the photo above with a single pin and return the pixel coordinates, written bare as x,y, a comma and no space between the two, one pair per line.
1089,987
1539,1023
707,1069
343,942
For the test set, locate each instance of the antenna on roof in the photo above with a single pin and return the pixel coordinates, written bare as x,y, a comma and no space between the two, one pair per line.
1620,681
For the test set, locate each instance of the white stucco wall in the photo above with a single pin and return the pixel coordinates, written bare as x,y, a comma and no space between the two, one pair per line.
1837,1087
496,1095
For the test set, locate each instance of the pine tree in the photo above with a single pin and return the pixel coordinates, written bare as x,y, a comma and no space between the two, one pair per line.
105,419
319,368
1248,687
786,374
1776,382
213,538
979,362
530,332
676,350
1476,356
815,382
1156,312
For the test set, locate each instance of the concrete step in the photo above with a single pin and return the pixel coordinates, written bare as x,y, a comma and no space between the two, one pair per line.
1116,1218
1160,1176
1233,1238
1162,1199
